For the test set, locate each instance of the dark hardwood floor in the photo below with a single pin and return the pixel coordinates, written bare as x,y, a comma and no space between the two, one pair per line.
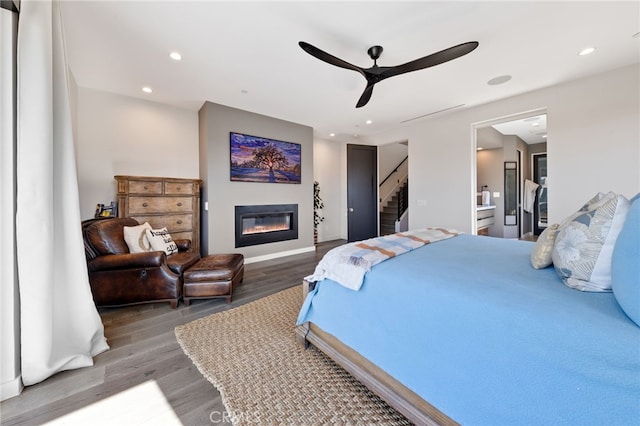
143,350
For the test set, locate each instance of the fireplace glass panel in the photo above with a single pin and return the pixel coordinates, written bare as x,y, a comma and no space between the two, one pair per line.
265,223
260,224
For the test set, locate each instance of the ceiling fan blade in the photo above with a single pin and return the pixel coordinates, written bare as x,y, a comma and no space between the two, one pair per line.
328,58
431,60
366,95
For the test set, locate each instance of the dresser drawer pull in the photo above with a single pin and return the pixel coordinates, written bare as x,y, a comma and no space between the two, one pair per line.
179,204
177,188
179,222
145,204
146,187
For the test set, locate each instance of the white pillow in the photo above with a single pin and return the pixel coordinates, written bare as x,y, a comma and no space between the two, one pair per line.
136,238
161,240
541,255
584,244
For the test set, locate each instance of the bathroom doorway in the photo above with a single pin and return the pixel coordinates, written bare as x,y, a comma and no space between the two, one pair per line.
518,141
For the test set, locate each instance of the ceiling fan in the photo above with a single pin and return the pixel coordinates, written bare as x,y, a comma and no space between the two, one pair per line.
376,74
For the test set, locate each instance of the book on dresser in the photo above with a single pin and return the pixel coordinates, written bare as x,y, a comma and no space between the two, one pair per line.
173,203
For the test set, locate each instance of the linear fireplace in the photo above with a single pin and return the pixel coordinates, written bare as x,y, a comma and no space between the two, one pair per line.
260,224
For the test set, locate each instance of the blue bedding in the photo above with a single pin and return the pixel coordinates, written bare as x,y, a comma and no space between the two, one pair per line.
472,328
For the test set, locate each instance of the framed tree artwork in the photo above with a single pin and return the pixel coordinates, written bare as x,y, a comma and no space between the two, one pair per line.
258,159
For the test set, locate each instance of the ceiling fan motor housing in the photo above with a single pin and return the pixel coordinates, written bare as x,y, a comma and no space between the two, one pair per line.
375,52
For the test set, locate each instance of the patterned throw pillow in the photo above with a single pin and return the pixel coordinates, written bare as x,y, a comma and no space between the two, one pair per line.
597,200
136,238
161,240
584,244
541,255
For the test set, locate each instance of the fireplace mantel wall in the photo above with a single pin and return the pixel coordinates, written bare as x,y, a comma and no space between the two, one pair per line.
218,224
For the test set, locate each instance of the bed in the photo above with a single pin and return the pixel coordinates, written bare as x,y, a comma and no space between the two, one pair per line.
465,330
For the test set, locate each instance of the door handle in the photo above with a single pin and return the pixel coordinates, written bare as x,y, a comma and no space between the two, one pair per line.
350,209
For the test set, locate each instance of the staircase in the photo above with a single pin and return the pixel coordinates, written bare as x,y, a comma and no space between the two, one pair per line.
392,212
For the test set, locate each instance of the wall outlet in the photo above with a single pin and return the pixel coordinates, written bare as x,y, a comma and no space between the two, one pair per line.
496,195
422,203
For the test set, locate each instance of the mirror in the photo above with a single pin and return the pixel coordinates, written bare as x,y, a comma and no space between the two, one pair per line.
510,193
541,199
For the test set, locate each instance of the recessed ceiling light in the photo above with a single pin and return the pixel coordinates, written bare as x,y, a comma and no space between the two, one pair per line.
544,136
368,121
147,89
535,124
499,80
332,134
587,51
479,148
175,56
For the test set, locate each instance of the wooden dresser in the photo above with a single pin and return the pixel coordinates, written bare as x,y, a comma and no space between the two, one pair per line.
163,202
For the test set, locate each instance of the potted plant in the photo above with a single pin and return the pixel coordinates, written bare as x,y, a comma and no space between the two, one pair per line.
317,205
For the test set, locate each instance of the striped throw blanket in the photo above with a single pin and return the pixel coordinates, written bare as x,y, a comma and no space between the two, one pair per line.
348,264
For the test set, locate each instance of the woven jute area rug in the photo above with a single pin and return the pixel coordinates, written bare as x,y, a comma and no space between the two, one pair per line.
265,377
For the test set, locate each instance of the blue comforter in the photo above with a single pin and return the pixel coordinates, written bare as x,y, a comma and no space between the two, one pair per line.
473,329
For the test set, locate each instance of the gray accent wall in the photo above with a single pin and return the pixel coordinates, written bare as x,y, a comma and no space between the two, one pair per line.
222,195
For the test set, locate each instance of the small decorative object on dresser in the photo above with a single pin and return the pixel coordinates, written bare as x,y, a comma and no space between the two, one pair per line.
163,202
103,210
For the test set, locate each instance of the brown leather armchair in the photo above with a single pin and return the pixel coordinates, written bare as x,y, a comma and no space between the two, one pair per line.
118,277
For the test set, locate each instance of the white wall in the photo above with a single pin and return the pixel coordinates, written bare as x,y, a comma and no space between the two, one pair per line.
120,135
389,156
593,145
330,170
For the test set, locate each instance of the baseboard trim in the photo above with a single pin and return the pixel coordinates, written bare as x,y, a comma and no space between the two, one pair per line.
277,255
11,388
326,238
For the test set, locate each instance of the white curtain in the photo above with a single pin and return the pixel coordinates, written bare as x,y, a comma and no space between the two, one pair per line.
60,326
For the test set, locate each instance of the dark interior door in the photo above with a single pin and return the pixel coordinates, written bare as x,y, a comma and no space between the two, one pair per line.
362,192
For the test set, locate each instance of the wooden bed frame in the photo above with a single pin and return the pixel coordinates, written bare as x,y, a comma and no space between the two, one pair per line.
403,399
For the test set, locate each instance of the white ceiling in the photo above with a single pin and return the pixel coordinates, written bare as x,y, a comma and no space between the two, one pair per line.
531,130
246,54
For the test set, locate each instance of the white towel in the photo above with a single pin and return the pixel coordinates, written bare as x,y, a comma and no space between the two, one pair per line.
530,189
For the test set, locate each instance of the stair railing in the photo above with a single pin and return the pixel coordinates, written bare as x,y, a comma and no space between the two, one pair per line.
403,200
390,184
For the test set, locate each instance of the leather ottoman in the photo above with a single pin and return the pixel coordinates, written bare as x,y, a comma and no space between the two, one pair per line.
213,276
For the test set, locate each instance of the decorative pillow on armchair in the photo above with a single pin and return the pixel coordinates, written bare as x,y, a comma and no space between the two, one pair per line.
136,238
585,242
161,240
